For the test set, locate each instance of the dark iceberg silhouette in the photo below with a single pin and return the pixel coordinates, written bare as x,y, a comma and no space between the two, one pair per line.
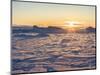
36,29
90,29
49,29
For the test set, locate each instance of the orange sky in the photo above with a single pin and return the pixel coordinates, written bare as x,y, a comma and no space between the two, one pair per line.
42,14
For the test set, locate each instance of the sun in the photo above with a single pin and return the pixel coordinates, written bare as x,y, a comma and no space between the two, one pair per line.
72,26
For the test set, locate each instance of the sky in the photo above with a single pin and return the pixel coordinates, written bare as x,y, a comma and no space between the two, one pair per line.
44,15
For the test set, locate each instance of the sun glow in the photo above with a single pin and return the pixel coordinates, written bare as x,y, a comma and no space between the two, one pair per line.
72,26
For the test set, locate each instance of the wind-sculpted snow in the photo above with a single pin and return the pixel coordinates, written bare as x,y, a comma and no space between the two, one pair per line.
34,52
